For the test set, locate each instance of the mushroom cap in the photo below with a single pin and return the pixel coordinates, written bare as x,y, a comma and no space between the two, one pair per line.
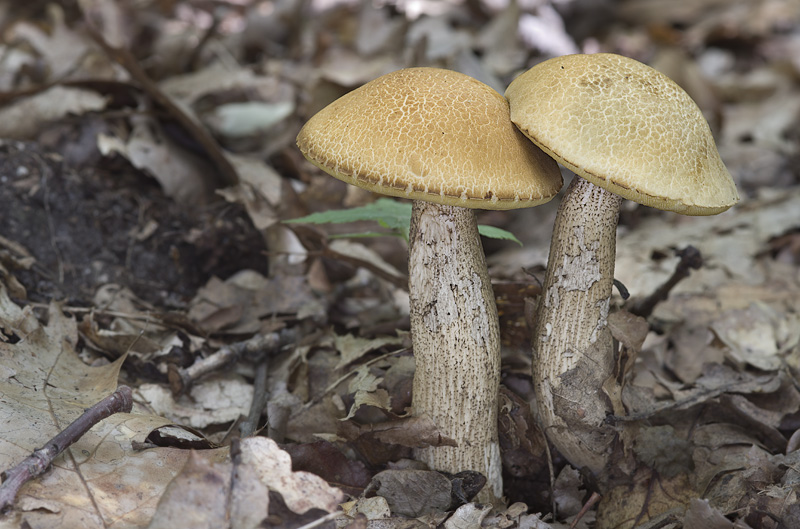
625,127
430,134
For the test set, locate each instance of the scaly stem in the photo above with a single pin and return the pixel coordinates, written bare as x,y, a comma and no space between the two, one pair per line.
572,346
456,337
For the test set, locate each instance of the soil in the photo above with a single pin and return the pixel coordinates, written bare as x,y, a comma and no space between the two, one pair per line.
107,223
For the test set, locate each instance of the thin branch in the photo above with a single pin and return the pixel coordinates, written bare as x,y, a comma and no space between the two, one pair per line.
36,464
181,379
691,259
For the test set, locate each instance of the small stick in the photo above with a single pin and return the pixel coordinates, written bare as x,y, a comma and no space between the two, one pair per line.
691,258
259,401
181,379
320,521
35,464
594,498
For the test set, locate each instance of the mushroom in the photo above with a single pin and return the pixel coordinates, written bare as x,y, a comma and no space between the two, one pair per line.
444,140
626,131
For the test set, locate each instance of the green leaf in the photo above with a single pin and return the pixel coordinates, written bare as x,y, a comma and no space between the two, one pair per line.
363,235
494,232
390,214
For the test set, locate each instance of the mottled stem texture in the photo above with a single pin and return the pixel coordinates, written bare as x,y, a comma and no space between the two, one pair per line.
456,338
572,346
35,464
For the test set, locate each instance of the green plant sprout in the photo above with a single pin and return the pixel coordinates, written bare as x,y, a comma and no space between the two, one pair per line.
390,214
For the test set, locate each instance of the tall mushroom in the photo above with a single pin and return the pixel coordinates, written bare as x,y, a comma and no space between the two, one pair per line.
626,131
445,141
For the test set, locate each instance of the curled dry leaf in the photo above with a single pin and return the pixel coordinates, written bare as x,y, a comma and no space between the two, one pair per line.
25,117
412,432
182,175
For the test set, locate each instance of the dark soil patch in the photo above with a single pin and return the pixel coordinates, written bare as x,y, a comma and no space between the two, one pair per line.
90,226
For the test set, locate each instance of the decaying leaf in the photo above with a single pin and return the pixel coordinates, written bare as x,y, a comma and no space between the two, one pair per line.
414,432
660,449
28,115
45,386
216,400
413,492
195,498
758,335
301,491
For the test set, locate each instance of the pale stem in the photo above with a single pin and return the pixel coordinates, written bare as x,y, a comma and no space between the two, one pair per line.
456,338
572,346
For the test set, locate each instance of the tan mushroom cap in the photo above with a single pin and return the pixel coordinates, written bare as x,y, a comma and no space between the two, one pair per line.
430,134
625,127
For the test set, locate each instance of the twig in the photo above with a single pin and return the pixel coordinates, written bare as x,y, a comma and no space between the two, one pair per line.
46,172
181,379
552,471
690,259
320,521
35,464
227,174
259,401
594,498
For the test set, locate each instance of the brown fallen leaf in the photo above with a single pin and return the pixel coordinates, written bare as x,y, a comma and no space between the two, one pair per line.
45,386
413,432
325,460
196,497
412,493
301,491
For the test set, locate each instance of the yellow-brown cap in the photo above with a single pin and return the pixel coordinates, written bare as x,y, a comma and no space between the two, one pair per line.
430,134
625,127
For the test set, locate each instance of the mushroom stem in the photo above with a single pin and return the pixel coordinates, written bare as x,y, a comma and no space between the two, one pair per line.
572,345
456,338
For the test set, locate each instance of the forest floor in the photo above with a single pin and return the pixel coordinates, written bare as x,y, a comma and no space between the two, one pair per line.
148,161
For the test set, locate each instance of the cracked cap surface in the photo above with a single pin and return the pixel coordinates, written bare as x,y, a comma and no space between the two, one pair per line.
430,134
626,127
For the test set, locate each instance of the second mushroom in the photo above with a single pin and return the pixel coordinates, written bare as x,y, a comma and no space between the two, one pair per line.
444,140
626,131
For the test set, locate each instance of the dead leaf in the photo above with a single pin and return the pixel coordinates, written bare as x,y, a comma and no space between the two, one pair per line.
182,175
44,387
647,497
25,117
196,497
325,460
352,347
412,493
61,48
660,449
301,491
568,492
413,432
468,516
758,335
701,515
374,508
217,399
